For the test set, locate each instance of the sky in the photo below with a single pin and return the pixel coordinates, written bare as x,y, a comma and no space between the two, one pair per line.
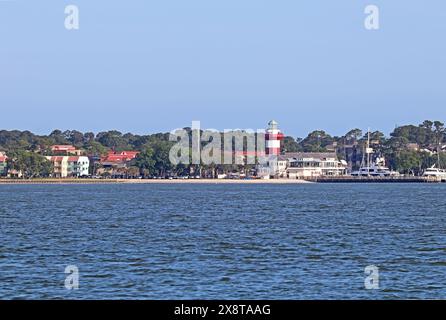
146,66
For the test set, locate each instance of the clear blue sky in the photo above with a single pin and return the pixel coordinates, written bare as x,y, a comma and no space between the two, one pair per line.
147,66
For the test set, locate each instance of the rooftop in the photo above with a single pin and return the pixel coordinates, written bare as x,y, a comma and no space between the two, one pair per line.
314,155
63,147
116,157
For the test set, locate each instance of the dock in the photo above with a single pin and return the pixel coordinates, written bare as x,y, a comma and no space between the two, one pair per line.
350,179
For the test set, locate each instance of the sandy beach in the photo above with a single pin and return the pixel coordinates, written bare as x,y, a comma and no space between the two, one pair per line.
150,181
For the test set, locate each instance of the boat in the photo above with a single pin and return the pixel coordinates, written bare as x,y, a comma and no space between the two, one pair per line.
435,172
376,169
373,169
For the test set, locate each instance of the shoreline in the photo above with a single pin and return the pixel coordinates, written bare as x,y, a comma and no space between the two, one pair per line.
338,180
151,181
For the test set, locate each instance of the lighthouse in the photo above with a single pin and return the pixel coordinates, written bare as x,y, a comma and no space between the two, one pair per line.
273,137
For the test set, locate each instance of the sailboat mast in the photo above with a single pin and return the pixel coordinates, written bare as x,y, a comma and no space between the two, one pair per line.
368,152
368,148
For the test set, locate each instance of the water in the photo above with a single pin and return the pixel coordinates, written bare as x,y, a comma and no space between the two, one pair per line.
223,241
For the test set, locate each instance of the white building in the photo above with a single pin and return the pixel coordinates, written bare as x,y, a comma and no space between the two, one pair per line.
282,166
316,164
70,166
78,166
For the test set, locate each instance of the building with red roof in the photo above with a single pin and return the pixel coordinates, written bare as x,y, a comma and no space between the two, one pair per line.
118,158
116,164
65,150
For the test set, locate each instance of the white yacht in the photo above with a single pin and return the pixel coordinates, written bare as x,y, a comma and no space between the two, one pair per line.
435,172
376,169
373,169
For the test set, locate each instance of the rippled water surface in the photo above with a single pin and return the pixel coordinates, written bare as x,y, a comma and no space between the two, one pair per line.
223,241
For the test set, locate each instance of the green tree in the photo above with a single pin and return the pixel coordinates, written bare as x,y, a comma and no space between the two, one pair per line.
145,162
290,145
352,136
316,141
161,152
409,162
112,139
95,148
30,164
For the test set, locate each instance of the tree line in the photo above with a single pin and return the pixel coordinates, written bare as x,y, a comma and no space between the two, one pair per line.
408,149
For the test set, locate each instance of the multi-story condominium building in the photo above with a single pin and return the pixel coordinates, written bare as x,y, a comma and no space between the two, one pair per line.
60,166
78,166
70,166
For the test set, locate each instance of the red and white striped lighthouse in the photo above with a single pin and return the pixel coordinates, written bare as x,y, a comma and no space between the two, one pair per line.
273,138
